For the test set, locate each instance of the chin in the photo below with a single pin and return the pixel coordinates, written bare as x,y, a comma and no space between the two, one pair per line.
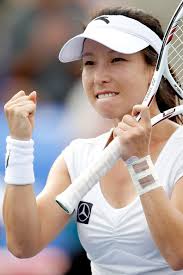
110,115
111,112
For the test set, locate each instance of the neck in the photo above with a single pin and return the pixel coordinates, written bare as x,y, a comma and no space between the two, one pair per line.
163,131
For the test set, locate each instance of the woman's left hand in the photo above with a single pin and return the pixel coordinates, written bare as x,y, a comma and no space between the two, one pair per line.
134,136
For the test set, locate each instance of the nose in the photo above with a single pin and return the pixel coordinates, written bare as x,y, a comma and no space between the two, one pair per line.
101,74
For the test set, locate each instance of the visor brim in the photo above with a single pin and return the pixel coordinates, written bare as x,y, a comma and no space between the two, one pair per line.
118,41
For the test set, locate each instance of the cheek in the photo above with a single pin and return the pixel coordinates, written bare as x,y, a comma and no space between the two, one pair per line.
87,82
137,86
84,81
140,79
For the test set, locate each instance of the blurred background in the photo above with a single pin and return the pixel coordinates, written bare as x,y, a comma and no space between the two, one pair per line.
31,35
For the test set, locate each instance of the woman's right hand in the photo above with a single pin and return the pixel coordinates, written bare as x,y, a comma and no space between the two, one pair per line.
135,136
20,114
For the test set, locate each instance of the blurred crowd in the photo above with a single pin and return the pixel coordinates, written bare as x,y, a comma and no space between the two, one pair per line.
32,33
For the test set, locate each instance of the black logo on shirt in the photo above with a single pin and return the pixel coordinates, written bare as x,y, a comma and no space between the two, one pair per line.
103,18
84,212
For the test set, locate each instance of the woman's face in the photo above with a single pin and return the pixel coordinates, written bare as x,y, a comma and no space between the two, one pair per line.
114,82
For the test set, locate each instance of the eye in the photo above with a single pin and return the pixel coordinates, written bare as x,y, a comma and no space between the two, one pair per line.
117,59
88,63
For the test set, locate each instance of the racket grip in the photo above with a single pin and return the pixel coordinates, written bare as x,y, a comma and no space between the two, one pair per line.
70,198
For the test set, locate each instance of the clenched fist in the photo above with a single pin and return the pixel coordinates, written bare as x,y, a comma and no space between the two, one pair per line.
135,136
20,114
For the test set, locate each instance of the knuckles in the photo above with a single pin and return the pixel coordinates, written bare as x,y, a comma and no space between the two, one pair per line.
19,111
134,136
127,118
18,108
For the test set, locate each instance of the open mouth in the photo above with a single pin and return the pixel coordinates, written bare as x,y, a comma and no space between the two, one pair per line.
106,95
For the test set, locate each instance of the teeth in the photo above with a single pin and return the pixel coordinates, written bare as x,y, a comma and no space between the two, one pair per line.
106,95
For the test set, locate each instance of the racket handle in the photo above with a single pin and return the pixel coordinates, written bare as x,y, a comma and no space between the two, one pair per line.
69,199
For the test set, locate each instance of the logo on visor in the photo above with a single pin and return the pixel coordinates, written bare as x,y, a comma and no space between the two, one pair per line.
103,18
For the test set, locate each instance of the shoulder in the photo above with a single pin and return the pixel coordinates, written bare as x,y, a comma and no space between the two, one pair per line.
176,140
172,152
179,132
169,164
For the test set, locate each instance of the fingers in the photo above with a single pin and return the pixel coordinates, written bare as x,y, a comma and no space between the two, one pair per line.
20,114
19,103
127,122
131,119
21,97
134,136
143,111
33,96
19,94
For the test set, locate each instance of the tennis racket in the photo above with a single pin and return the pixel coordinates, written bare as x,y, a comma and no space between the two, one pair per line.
169,63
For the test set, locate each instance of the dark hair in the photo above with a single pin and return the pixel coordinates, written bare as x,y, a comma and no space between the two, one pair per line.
166,97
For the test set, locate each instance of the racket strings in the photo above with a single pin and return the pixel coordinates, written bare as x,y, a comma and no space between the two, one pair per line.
175,54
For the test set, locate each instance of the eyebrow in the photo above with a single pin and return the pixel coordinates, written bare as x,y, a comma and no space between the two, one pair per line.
91,54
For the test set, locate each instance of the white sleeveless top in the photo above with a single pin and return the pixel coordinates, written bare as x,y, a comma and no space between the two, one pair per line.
118,241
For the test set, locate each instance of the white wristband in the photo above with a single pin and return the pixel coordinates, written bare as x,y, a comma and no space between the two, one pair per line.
19,162
143,174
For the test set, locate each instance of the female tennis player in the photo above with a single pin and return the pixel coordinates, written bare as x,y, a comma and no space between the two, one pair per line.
131,222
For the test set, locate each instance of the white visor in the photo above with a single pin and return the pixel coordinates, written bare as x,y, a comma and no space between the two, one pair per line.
117,32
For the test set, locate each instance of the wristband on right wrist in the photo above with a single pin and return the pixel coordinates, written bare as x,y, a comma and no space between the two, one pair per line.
19,162
143,174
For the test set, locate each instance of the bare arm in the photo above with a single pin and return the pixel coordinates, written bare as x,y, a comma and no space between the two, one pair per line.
165,220
31,224
164,216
